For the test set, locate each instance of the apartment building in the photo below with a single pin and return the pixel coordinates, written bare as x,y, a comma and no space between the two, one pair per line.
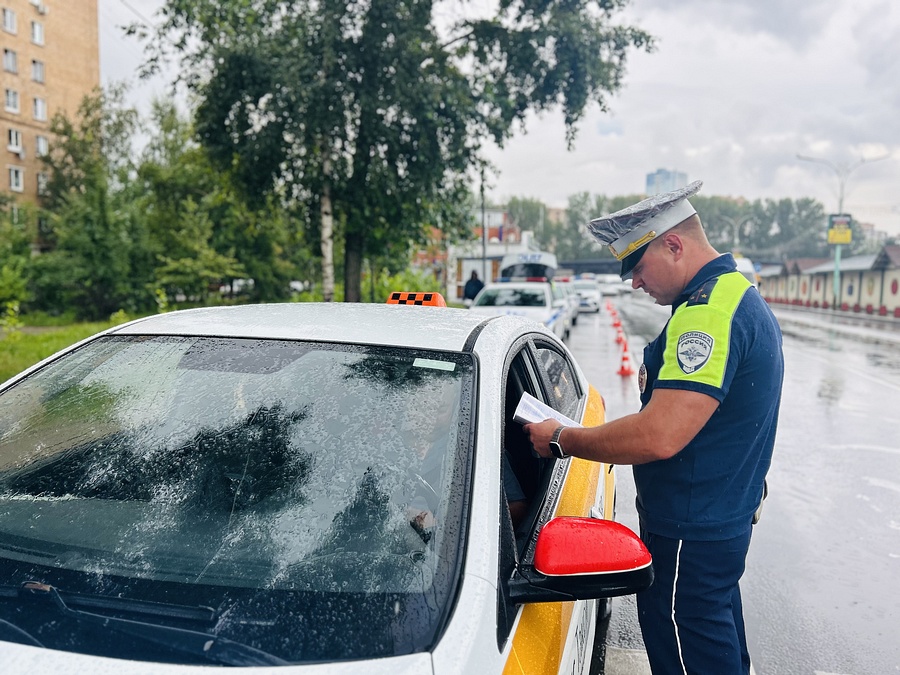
51,60
663,180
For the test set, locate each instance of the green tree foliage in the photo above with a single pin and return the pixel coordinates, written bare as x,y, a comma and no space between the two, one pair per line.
764,229
531,214
769,229
94,266
369,116
121,232
17,231
184,200
730,223
573,242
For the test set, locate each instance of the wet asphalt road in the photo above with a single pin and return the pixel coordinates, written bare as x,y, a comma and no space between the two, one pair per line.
822,586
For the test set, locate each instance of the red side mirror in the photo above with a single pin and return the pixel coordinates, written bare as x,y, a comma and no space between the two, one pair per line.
571,546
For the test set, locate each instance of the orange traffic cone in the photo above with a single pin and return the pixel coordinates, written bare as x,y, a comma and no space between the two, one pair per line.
617,323
626,368
620,336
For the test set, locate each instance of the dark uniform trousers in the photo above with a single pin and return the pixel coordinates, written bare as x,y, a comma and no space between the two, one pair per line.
691,617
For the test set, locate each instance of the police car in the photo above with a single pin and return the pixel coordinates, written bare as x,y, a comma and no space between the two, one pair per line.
325,487
589,294
571,295
535,298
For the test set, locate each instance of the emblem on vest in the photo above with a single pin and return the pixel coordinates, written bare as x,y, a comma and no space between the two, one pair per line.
642,377
693,350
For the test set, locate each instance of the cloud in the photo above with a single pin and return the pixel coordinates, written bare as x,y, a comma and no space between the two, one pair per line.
732,94
793,23
734,91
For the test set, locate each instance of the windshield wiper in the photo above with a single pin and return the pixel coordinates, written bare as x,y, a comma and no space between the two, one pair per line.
205,645
195,614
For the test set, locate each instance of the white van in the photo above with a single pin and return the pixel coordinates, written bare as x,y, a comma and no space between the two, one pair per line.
530,264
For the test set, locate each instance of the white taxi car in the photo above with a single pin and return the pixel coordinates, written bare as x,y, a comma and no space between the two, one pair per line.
535,298
324,487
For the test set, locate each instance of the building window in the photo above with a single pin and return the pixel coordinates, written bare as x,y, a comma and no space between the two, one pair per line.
42,181
14,140
40,109
37,32
37,71
9,21
42,146
16,179
9,61
12,101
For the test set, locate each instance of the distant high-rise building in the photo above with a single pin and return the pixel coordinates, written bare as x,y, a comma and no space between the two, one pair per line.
51,60
663,180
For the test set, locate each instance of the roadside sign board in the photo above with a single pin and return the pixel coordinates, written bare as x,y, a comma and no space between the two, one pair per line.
839,231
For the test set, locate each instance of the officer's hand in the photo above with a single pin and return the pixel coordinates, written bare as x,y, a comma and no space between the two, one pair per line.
540,433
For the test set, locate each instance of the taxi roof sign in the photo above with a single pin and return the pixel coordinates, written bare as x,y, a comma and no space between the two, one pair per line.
425,299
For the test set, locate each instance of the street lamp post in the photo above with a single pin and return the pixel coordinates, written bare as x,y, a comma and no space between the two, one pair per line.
842,171
484,233
736,226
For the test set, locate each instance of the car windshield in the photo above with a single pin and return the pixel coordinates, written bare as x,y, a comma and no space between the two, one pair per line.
311,494
512,297
586,286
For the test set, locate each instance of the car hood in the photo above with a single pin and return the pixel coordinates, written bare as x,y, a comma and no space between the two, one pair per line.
26,659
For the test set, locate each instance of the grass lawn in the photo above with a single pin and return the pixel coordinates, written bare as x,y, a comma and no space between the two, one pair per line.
27,346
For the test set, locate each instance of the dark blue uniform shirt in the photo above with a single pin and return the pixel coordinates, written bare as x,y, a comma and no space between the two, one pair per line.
722,340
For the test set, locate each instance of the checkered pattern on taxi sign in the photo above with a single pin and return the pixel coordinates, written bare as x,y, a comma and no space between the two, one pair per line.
429,299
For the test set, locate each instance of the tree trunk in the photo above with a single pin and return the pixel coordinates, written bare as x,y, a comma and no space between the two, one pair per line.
353,267
327,238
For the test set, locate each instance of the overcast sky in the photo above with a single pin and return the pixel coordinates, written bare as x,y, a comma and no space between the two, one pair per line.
734,91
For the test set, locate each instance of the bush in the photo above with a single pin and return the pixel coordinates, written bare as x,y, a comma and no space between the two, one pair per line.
408,281
10,323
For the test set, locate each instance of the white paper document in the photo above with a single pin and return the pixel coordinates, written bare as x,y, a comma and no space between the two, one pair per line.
531,410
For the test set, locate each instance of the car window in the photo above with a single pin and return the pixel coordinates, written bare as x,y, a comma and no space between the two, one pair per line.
512,297
564,389
264,479
532,475
528,269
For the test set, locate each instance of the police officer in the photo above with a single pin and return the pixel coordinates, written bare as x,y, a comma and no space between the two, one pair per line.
702,442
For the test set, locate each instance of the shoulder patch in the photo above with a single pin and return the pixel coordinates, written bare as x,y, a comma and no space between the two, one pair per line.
701,295
694,349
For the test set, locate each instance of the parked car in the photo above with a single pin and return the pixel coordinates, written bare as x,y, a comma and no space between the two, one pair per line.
572,297
612,285
535,299
589,294
316,486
